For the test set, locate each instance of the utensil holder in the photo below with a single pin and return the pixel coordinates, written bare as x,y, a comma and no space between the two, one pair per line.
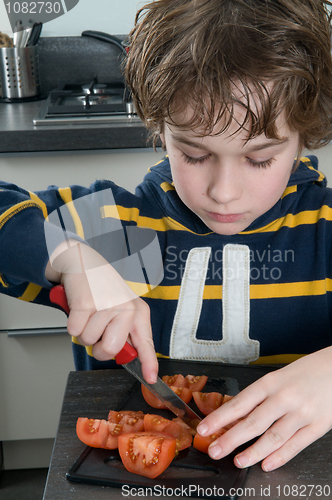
19,72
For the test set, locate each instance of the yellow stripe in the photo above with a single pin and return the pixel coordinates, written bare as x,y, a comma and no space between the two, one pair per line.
299,289
289,190
139,288
132,214
119,212
40,202
307,161
275,290
172,292
305,217
66,196
166,186
277,359
8,214
31,292
3,281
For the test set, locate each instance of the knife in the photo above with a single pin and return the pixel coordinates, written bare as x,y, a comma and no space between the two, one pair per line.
128,358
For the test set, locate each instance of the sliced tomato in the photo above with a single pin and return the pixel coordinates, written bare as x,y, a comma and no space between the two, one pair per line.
114,431
155,423
192,382
190,426
202,443
132,421
93,432
175,380
147,453
183,393
183,436
152,400
195,383
207,402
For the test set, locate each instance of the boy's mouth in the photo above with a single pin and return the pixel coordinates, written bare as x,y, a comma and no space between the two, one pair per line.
226,218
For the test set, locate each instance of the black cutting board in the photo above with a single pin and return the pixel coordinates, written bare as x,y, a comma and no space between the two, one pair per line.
192,473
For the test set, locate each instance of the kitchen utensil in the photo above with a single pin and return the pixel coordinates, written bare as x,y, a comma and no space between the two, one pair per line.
19,72
17,35
35,34
128,358
105,37
26,33
25,37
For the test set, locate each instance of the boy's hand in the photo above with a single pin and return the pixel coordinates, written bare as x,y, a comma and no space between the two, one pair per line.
288,408
103,308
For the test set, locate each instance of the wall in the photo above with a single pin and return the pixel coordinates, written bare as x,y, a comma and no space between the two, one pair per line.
111,16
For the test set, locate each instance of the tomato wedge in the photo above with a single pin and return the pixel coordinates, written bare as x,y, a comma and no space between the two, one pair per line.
104,434
202,443
195,383
183,436
93,432
175,380
190,427
192,382
207,402
147,453
132,421
152,400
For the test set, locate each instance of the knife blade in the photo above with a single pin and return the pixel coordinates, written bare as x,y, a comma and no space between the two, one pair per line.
128,358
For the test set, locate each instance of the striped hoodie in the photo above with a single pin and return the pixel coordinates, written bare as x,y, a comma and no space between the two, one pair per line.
261,296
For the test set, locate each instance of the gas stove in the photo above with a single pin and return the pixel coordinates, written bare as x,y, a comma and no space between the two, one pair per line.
93,102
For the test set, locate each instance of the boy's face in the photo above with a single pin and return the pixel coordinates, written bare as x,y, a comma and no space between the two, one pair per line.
225,180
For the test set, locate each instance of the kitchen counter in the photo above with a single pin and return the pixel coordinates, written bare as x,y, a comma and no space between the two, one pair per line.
92,394
19,135
68,59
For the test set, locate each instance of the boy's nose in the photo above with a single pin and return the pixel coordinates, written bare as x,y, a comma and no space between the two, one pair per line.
225,185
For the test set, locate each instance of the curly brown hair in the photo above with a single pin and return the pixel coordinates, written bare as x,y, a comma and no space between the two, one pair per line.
202,53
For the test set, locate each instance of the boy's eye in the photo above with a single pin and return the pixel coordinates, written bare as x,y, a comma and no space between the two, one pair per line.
195,161
260,164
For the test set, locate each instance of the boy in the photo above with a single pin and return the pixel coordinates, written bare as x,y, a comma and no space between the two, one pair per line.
235,89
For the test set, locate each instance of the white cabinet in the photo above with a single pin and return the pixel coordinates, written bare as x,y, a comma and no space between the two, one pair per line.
34,368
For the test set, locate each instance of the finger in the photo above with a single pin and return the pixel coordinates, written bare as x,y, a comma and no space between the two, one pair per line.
77,321
238,407
113,338
235,409
148,359
253,425
142,339
300,440
95,326
273,439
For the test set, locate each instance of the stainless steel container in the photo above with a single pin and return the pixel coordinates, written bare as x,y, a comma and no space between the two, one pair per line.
19,72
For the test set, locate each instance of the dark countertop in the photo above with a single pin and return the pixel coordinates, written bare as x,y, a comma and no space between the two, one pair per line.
19,135
68,59
92,394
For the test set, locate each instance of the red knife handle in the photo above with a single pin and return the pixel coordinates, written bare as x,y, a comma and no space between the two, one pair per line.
58,296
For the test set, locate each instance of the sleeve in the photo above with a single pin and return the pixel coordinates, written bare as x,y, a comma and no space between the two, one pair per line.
32,225
25,244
